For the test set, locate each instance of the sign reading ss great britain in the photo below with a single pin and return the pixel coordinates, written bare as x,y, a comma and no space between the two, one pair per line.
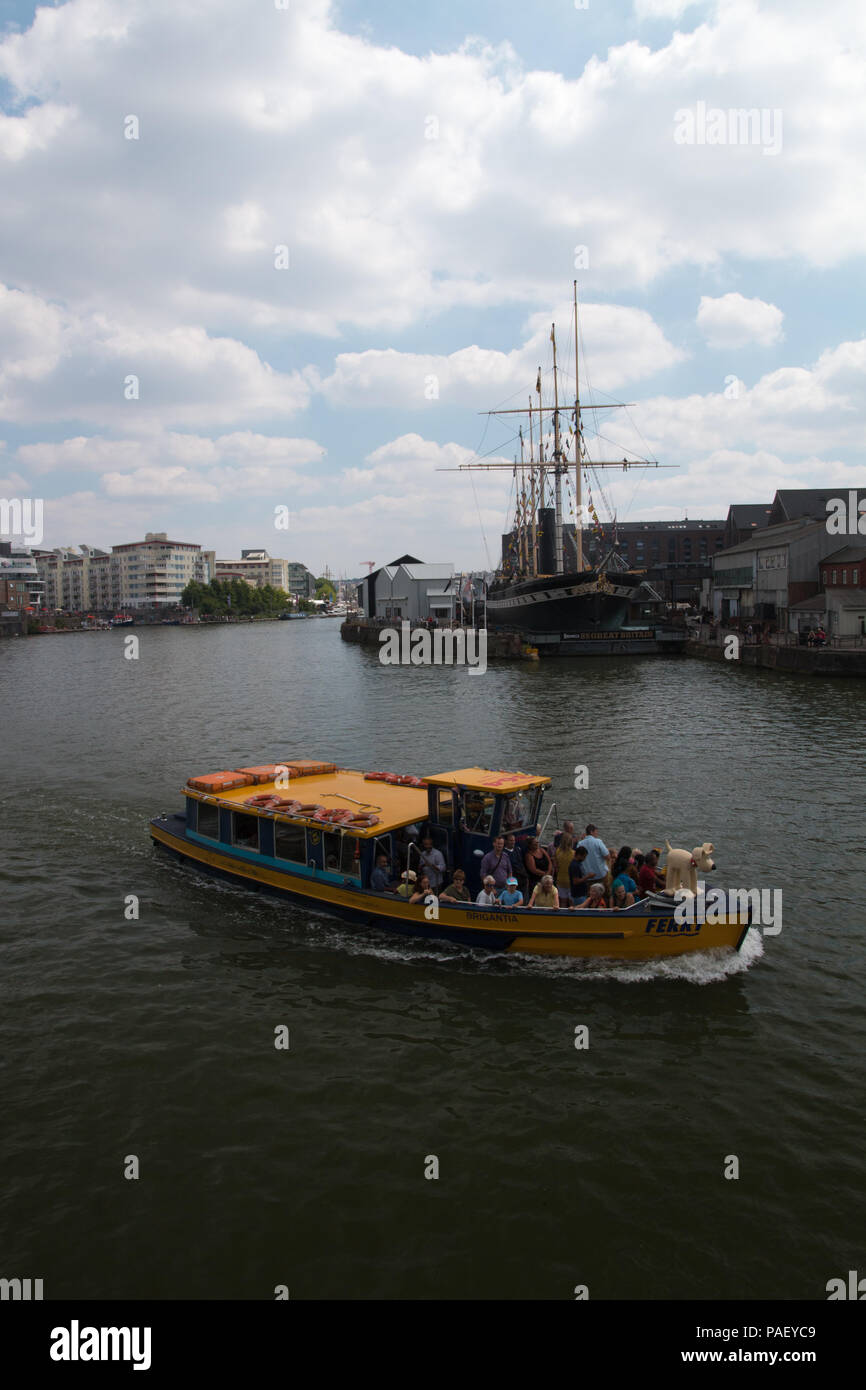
532,592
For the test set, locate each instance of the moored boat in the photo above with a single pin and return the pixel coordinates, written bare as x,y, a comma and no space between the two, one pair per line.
311,832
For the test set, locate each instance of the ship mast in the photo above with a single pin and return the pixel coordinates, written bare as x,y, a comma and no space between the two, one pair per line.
527,535
557,460
533,564
578,450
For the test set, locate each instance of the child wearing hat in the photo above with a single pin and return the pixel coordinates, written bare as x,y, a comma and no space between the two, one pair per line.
510,896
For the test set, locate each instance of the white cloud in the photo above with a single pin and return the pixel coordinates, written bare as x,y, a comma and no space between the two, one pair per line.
61,366
262,127
733,321
663,9
627,345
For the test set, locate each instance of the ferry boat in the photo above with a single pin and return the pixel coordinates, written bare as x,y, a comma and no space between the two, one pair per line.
311,831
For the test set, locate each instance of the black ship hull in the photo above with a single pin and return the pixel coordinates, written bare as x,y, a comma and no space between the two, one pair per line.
589,603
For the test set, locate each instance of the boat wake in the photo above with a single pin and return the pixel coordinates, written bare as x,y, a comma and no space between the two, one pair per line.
323,932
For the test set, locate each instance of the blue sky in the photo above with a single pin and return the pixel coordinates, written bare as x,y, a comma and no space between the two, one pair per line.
431,171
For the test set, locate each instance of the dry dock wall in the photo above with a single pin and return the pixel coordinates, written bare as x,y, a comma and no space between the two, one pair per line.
808,661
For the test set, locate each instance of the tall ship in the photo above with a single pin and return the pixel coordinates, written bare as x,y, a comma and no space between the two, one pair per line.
544,587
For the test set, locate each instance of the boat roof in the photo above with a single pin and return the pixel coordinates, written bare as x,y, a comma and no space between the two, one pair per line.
395,806
484,779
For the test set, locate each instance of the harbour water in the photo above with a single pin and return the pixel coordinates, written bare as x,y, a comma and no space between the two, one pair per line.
558,1167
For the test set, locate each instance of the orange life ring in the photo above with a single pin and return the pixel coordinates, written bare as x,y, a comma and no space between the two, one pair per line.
410,782
310,810
362,822
288,807
393,778
376,776
264,801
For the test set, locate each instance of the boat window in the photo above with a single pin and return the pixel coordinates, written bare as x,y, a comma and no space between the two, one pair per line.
445,808
245,830
520,809
290,842
479,812
342,855
208,822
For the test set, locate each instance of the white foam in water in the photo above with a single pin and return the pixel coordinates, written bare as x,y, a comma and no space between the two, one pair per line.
694,967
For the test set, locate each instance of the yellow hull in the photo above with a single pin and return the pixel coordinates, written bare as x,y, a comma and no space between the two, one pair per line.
642,933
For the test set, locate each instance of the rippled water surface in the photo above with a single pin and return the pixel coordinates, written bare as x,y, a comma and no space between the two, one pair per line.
557,1167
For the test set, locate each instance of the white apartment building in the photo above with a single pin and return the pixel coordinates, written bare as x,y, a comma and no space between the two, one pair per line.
152,572
258,568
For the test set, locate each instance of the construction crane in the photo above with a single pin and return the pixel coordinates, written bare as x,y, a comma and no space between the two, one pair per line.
370,565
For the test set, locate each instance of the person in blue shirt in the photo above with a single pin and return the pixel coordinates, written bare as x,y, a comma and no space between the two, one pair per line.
379,878
510,895
595,863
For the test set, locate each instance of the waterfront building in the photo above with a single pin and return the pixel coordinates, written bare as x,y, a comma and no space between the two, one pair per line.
777,572
17,562
841,603
408,588
153,573
301,583
765,576
743,519
258,568
76,581
14,602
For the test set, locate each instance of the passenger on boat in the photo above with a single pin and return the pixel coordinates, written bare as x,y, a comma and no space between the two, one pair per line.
595,897
578,878
432,863
408,878
456,892
621,872
649,880
496,863
537,863
515,854
487,897
562,857
544,894
621,898
567,829
596,854
423,890
380,878
511,895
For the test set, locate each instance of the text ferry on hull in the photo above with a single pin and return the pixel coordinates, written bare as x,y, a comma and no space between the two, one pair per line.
312,832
